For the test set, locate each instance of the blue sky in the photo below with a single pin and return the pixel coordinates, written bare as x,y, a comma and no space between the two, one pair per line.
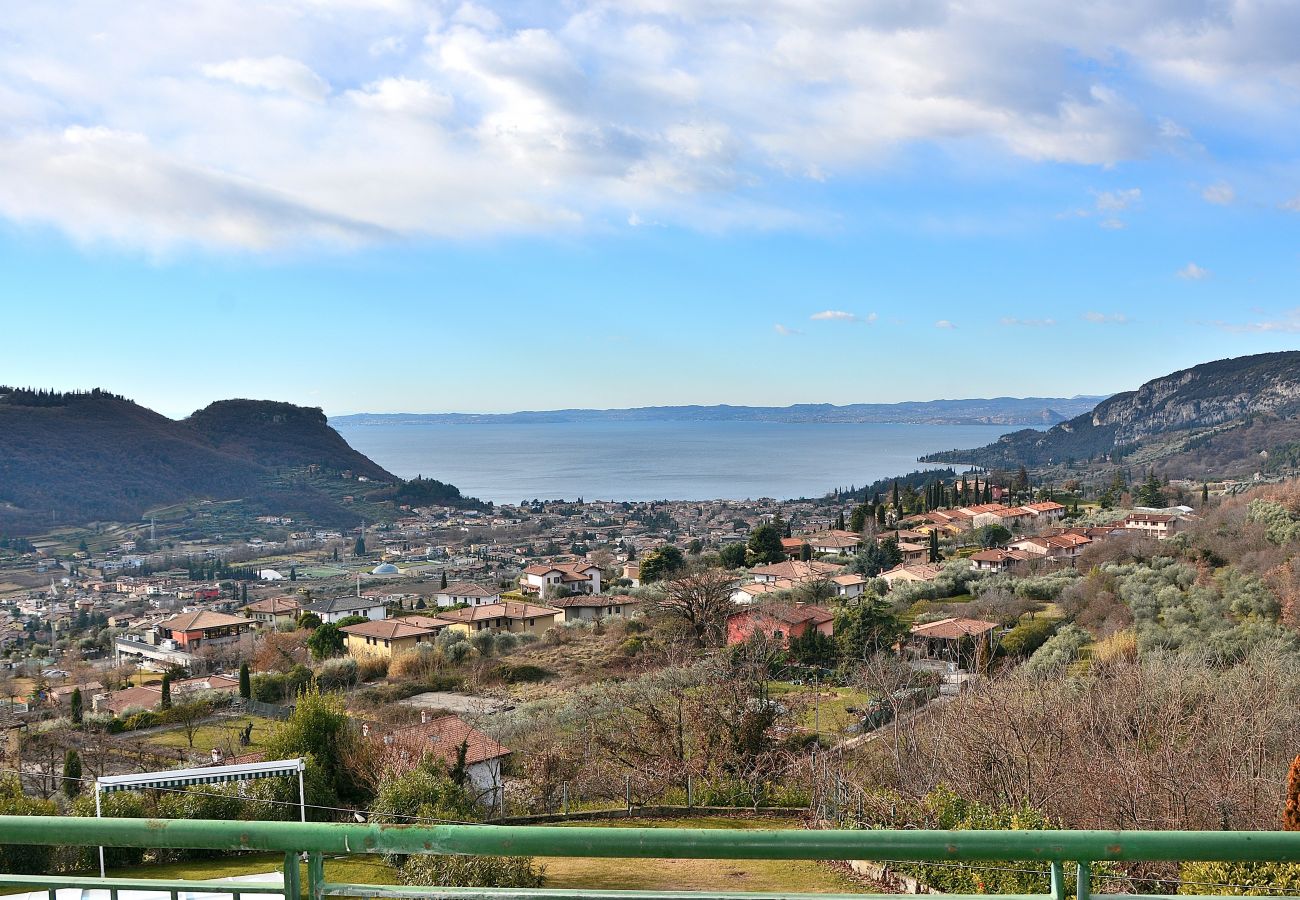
397,205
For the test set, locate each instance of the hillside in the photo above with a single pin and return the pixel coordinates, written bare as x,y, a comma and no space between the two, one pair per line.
991,411
72,458
1223,418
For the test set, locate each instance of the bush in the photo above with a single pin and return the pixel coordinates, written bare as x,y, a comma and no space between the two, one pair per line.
1239,879
484,642
1027,637
335,674
1059,651
372,668
459,652
526,638
417,664
473,871
632,646
523,673
23,859
506,642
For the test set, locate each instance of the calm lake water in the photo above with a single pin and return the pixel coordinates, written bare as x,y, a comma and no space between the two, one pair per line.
508,463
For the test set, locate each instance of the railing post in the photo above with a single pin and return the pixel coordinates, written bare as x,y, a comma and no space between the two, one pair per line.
315,876
1058,880
292,876
690,793
564,797
1083,881
627,791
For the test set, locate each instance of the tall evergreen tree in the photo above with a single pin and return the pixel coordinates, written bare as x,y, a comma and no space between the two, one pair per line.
75,711
245,681
71,774
166,702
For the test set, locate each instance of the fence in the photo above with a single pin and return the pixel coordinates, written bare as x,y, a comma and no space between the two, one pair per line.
1054,848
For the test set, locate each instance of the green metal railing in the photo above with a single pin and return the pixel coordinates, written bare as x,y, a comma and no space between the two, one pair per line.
1056,848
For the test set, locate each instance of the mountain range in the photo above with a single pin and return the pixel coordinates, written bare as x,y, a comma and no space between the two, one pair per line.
94,456
1232,417
1008,411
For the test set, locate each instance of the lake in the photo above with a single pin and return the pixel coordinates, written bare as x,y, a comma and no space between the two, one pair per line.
508,463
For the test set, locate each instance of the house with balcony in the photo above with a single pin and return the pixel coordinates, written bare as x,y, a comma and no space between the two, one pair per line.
338,608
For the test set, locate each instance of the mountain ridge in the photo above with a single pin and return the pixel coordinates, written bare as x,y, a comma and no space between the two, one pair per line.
1255,400
78,457
975,411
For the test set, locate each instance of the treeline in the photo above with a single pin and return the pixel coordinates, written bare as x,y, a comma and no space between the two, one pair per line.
28,396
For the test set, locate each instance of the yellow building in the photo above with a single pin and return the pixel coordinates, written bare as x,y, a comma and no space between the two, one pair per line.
386,638
511,616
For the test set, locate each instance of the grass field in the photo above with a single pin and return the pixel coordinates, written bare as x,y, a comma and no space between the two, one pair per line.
768,875
223,733
821,708
772,876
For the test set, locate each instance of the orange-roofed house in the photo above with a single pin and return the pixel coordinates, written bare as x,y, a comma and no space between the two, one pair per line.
780,623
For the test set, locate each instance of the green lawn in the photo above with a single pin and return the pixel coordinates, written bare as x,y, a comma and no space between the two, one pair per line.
770,876
821,708
223,733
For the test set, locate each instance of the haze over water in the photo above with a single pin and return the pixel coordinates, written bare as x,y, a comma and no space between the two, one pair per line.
508,463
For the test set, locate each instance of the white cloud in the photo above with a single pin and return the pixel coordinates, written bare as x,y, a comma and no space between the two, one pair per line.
272,73
1012,321
1292,205
944,323
1116,201
784,331
1101,318
1220,194
1288,322
1193,272
839,315
298,121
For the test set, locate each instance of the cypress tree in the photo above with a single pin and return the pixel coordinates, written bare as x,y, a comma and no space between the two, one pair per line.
166,692
75,706
71,774
245,681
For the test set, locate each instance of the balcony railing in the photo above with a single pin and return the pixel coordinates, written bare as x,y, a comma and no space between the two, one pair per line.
1055,848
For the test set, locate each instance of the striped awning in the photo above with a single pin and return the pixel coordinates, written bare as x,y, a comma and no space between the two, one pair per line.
175,778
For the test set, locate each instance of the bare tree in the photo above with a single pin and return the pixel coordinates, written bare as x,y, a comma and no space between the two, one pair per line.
701,600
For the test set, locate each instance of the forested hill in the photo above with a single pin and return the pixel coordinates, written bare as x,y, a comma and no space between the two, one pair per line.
71,458
1227,417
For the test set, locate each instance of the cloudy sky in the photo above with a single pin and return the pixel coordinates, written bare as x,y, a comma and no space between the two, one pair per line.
409,205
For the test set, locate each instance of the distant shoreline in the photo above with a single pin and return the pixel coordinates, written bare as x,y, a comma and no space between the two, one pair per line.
1010,412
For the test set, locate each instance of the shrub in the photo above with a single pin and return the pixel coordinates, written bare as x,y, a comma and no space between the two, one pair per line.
459,652
632,646
372,668
473,871
1027,637
1059,651
417,664
1239,879
335,674
506,642
484,642
526,638
523,673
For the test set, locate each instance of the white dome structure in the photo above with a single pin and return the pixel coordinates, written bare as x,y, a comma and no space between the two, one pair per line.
385,569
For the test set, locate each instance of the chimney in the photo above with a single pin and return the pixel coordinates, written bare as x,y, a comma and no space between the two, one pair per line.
424,717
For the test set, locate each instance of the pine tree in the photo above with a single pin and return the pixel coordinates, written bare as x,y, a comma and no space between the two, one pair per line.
71,774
